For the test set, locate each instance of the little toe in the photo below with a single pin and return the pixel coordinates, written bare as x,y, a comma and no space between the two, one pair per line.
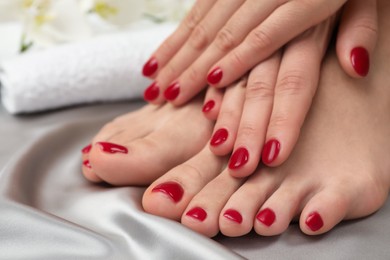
169,195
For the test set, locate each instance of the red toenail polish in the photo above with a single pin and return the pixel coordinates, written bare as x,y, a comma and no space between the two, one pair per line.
219,137
239,158
150,67
314,221
360,61
172,189
112,148
233,215
197,213
215,76
266,216
152,92
172,91
87,164
86,149
208,106
270,151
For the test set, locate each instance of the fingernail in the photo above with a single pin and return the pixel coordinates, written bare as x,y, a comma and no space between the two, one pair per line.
152,92
87,164
197,213
270,151
239,158
314,221
266,216
112,148
208,106
172,189
172,91
360,61
86,149
233,215
215,76
219,137
150,67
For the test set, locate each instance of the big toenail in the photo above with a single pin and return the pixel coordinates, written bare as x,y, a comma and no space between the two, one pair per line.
112,148
266,216
87,164
86,149
197,213
270,151
314,221
172,189
233,215
219,137
239,158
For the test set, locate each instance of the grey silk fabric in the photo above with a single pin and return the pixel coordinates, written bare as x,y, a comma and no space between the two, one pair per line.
48,210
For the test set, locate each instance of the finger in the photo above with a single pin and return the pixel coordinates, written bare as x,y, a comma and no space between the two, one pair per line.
247,17
198,41
212,103
175,41
357,36
285,23
225,129
296,85
257,110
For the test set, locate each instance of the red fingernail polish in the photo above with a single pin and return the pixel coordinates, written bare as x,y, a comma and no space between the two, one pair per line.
152,92
215,76
360,61
270,151
86,149
314,221
208,106
239,158
233,215
150,67
172,91
172,189
266,216
87,164
197,213
219,137
112,148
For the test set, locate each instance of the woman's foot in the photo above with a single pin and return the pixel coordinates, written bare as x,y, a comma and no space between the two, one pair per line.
338,170
139,147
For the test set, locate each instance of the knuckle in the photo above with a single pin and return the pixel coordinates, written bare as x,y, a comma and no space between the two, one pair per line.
225,40
278,121
169,71
259,90
227,114
259,39
248,130
367,25
199,38
193,18
293,83
167,48
193,74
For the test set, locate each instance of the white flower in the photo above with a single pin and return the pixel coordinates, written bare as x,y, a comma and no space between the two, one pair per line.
167,10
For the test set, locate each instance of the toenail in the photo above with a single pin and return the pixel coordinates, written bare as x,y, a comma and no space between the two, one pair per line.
360,61
314,221
233,215
270,151
86,149
197,213
152,92
239,158
266,216
150,67
87,164
172,189
112,148
208,106
215,76
172,91
219,137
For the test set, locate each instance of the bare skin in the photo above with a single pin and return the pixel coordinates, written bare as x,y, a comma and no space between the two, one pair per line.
338,169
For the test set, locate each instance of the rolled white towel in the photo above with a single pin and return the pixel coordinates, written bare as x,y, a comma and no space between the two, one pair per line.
106,68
